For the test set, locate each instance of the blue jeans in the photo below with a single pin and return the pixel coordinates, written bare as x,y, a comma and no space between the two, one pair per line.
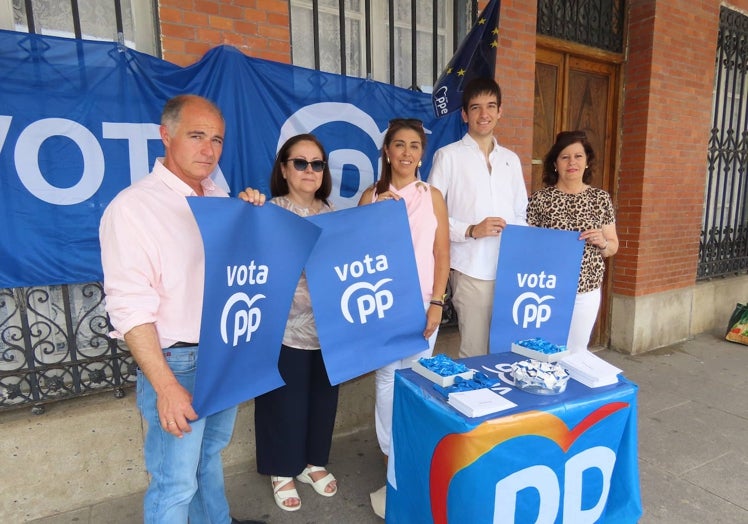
187,473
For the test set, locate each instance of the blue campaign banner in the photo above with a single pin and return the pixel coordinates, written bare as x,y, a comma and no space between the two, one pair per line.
79,122
253,259
536,285
365,292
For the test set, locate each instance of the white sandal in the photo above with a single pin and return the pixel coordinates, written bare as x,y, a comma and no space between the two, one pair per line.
281,495
318,485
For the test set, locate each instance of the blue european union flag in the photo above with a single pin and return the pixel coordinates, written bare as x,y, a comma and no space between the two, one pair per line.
476,57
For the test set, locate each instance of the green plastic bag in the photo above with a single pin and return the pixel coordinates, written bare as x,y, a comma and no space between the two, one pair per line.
737,328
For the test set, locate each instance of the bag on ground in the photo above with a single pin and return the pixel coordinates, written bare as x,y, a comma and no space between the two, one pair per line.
737,328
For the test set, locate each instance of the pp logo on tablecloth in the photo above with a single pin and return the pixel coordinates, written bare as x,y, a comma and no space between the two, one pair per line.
561,470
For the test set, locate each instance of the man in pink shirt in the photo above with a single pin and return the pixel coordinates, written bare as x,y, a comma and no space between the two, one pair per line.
154,270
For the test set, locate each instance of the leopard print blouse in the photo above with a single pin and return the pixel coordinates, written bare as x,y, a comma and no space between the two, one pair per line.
591,209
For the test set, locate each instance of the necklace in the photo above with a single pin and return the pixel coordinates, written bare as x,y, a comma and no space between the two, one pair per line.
312,209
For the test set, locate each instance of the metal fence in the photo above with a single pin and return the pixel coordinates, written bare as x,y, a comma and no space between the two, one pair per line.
723,248
54,344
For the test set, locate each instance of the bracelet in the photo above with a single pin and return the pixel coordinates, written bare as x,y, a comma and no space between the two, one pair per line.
436,303
470,230
605,246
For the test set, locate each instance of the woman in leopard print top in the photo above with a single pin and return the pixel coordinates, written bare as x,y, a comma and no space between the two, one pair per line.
568,202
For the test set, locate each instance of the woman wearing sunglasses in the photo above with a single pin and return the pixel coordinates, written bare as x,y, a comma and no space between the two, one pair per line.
402,150
294,423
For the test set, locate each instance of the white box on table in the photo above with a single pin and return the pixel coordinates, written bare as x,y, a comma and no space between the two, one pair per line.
537,355
438,379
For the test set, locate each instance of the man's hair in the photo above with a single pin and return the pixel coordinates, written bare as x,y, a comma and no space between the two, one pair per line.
480,86
173,110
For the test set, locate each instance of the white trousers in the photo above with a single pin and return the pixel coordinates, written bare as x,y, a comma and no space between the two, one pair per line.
583,319
385,392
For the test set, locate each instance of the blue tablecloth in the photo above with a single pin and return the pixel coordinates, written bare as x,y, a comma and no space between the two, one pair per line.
568,458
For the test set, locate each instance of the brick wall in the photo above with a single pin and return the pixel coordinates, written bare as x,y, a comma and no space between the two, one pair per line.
515,73
258,28
668,82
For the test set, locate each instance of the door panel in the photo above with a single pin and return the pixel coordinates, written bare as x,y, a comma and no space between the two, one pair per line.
548,105
588,108
577,93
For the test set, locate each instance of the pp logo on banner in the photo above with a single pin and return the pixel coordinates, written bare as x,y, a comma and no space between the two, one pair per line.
535,309
364,298
240,317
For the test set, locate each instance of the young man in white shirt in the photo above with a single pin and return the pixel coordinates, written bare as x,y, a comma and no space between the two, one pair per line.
485,190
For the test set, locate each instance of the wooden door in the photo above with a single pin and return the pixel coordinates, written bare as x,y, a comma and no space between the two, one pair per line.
575,92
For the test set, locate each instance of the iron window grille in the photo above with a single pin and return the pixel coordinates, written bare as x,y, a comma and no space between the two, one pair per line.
723,247
400,42
595,23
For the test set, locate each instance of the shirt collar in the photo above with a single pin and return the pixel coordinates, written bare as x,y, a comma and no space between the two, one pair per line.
469,141
175,183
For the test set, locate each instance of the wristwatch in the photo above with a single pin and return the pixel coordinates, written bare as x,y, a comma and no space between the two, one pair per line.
441,302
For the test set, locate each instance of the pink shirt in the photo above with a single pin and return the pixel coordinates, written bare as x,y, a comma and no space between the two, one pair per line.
422,221
153,257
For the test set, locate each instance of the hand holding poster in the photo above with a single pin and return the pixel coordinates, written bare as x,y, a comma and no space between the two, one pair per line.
253,259
536,285
365,292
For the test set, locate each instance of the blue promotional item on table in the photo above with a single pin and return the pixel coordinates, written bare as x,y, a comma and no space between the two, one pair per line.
465,390
540,349
442,370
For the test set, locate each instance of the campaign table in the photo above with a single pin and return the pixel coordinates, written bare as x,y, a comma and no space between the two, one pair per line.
567,458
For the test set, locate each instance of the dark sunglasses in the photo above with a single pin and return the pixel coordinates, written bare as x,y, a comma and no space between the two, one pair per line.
299,164
407,121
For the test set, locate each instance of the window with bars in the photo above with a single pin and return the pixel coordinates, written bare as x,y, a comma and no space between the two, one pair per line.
131,22
723,248
596,23
402,42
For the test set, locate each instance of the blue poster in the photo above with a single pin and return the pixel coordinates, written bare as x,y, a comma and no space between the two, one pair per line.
79,122
253,259
536,285
365,291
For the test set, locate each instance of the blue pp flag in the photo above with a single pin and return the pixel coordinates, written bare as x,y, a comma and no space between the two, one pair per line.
79,123
536,285
365,291
253,260
475,58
